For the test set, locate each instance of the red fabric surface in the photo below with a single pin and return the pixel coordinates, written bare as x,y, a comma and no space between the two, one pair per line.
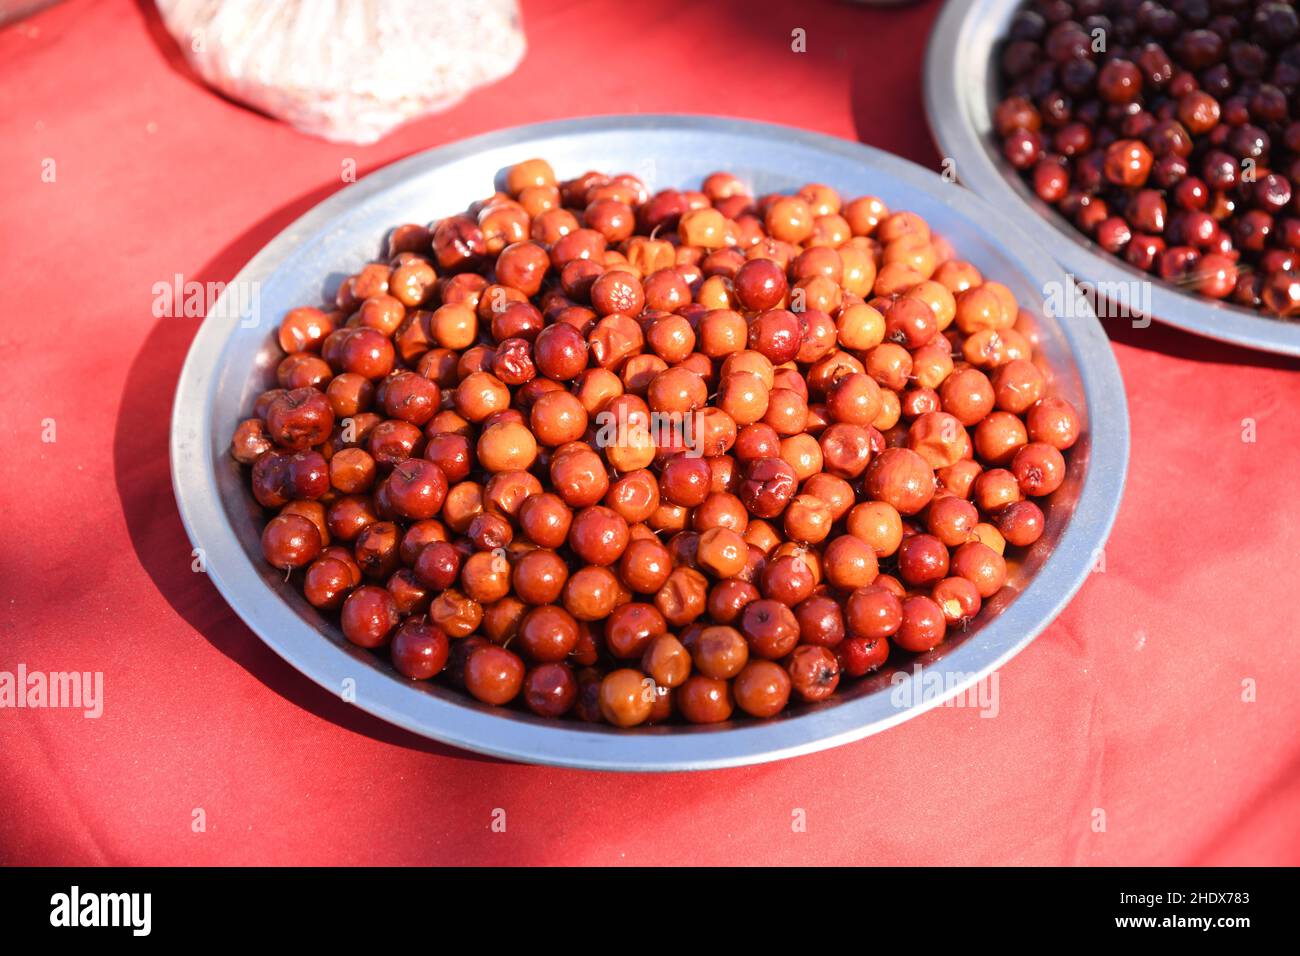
1130,702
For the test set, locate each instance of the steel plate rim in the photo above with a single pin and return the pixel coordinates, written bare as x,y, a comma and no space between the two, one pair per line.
957,131
686,748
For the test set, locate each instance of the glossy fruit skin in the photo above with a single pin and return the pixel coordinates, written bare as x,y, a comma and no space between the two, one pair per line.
923,627
846,449
369,616
548,634
494,675
438,566
682,598
667,661
626,697
777,334
538,577
545,519
290,541
859,656
878,524
821,621
328,581
901,478
550,690
644,566
1021,523
982,566
762,688
591,593
768,486
685,480
958,598
729,598
788,579
760,284
922,559
250,441
419,650
952,520
704,700
770,627
873,612
632,628
814,672
300,419
850,562
1039,467
722,552
560,352
417,489
720,652
598,535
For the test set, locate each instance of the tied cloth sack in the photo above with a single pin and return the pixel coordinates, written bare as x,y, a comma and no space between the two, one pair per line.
347,70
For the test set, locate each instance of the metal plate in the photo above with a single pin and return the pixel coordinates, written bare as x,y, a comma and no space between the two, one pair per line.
233,358
960,90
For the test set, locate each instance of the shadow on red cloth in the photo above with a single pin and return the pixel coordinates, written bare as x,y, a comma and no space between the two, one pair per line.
877,80
166,45
142,475
175,56
1168,340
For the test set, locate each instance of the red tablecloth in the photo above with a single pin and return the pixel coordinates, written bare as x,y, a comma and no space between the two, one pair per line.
1131,703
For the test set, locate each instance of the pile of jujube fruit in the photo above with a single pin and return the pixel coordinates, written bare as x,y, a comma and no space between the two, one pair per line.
629,457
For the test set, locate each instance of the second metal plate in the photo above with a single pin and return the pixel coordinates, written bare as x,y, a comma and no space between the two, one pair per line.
960,91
